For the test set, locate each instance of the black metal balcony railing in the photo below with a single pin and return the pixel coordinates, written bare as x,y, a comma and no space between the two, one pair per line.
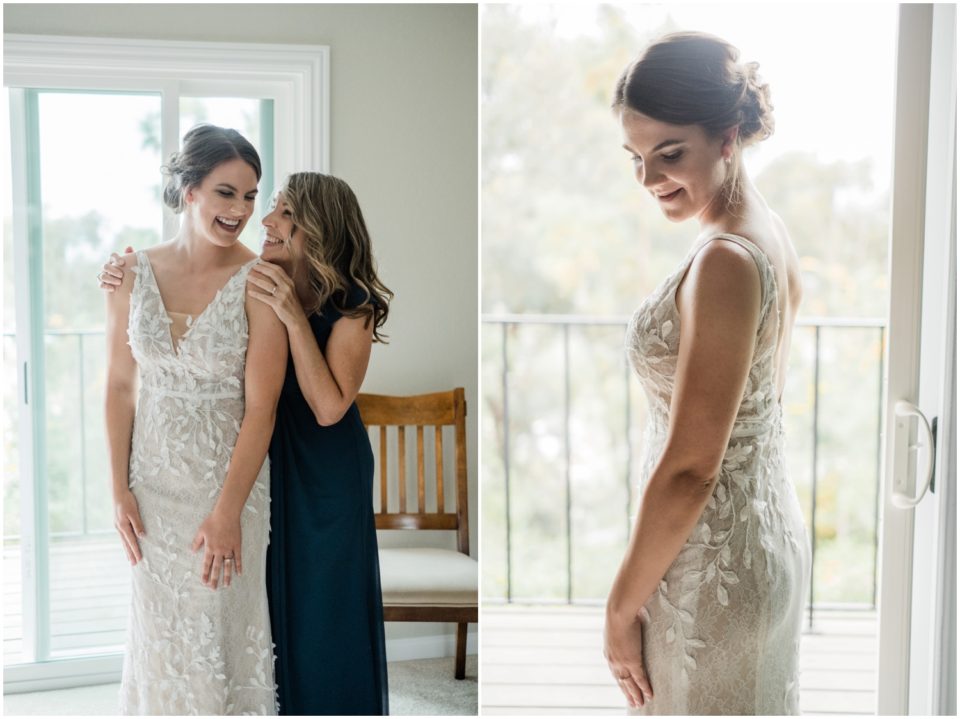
563,324
83,339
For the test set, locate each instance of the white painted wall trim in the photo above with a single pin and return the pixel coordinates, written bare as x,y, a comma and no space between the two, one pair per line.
295,77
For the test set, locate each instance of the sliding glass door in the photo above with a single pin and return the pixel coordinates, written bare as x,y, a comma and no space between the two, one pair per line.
87,125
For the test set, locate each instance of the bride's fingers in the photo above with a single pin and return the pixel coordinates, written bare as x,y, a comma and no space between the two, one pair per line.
215,574
643,682
639,679
631,690
207,567
227,571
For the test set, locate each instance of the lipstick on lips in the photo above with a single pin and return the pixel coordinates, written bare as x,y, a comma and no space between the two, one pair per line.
670,196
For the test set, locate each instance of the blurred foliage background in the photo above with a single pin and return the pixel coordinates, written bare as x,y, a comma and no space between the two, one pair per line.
566,230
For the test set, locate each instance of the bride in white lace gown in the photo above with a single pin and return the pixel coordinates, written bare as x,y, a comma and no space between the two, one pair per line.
704,616
188,453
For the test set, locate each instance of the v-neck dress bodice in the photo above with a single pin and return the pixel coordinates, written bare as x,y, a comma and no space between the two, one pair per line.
724,625
190,649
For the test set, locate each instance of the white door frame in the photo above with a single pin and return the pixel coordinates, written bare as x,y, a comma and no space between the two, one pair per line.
919,369
932,687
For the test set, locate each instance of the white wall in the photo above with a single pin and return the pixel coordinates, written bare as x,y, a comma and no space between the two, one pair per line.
403,97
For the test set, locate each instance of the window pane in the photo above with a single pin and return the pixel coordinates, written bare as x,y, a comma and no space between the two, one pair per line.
253,119
99,195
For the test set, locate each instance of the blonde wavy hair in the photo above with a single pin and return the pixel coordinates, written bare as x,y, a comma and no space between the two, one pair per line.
337,251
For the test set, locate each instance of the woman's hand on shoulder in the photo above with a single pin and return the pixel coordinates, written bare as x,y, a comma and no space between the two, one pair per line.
270,284
110,276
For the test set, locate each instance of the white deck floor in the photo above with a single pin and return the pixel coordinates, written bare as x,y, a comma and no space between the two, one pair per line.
89,593
547,660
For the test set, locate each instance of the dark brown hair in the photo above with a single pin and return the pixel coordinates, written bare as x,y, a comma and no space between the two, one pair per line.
693,78
337,251
204,147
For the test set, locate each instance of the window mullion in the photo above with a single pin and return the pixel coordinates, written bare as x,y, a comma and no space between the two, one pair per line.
28,258
169,143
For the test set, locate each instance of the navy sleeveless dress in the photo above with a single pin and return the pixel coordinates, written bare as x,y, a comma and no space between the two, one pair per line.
323,572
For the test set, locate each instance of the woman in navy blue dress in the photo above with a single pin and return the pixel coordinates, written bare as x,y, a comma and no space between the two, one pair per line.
317,273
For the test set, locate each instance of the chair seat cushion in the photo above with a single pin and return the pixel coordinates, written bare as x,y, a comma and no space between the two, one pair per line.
428,576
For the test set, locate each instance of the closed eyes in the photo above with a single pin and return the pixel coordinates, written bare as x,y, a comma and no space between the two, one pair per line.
669,157
224,193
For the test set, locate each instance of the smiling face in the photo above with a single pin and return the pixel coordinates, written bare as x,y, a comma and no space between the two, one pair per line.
283,241
680,165
219,207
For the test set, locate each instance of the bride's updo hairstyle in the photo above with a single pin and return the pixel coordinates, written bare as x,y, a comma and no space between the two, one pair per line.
693,78
337,251
204,147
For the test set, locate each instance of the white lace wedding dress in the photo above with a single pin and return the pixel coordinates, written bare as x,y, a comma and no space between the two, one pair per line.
191,649
723,632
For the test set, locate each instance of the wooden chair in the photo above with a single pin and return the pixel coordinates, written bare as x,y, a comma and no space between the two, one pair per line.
424,584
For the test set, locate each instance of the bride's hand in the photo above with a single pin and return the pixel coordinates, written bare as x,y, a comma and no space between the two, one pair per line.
219,535
111,275
623,650
126,518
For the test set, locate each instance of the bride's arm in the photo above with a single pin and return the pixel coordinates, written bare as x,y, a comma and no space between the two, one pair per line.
719,313
264,371
120,402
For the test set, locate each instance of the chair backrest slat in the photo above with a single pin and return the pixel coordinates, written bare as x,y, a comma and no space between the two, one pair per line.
439,409
402,466
383,469
420,480
438,451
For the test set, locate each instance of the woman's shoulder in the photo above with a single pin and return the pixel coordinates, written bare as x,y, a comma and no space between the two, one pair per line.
246,255
725,257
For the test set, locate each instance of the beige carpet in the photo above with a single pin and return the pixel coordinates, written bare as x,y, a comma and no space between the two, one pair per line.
418,687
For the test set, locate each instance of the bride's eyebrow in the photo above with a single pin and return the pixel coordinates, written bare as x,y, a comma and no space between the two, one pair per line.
665,143
227,185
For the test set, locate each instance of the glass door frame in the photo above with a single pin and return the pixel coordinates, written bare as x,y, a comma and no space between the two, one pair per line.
294,77
915,591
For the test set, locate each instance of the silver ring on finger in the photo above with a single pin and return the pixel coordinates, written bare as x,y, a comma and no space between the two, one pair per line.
274,290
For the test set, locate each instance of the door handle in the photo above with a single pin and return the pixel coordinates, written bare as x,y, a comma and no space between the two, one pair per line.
904,410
